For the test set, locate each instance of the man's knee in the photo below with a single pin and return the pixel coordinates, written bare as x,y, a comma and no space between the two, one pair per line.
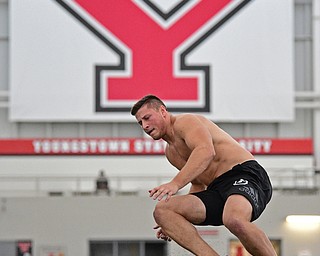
236,225
160,211
237,214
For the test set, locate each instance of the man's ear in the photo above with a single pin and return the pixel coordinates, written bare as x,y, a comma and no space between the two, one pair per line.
163,111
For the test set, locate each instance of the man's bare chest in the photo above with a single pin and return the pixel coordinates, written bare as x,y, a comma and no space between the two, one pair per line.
179,150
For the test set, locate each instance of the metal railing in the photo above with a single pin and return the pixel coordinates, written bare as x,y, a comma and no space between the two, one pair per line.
10,186
75,185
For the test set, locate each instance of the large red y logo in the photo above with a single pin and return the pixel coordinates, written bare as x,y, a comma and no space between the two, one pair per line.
152,46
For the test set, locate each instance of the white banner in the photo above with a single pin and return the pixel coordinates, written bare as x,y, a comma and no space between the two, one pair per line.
90,60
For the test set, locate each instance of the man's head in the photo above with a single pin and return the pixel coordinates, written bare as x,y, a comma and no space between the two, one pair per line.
151,100
152,115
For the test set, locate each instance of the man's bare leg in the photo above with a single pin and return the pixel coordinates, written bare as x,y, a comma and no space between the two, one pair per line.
236,217
175,218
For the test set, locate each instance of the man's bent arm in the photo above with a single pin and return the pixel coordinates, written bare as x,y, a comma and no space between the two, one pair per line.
197,163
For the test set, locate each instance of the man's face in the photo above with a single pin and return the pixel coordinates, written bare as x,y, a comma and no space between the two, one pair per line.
151,121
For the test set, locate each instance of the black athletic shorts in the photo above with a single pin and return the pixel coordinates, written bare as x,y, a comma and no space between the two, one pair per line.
248,179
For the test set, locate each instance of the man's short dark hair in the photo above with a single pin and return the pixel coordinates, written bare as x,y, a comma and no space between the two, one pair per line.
151,100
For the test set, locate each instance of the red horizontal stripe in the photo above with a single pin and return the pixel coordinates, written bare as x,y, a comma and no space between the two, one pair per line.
140,146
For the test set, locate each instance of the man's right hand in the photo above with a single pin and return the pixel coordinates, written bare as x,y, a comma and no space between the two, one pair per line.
164,190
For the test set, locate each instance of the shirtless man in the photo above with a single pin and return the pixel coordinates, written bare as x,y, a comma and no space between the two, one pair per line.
228,187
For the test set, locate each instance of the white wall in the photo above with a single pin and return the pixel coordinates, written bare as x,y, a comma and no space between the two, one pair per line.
84,165
70,222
